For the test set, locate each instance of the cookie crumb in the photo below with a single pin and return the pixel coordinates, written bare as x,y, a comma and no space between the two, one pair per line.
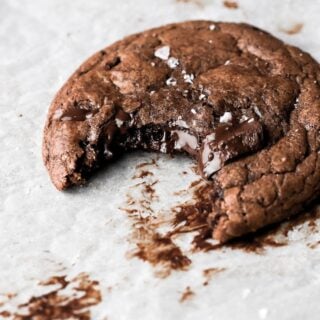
5,314
186,295
209,273
162,53
230,4
296,28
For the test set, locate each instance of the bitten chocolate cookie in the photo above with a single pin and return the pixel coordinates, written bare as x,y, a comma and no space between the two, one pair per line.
245,105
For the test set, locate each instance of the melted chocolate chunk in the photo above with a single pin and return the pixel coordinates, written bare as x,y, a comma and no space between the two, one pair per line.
228,142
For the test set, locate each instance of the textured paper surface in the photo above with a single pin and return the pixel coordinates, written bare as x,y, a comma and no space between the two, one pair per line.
46,233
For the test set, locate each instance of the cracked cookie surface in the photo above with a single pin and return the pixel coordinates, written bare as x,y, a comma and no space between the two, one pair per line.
245,105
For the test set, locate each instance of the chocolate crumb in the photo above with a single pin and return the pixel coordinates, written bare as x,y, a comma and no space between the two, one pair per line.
296,28
186,295
5,314
230,4
210,272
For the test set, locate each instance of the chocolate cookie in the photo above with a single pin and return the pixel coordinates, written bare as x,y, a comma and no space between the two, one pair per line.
245,105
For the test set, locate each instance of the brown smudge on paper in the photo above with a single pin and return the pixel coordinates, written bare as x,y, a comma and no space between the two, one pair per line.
230,4
149,191
5,314
209,273
160,249
153,162
198,3
314,245
187,294
151,246
296,28
5,297
192,217
58,305
142,174
309,218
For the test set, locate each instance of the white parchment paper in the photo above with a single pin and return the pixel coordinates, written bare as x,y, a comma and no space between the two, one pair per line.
46,233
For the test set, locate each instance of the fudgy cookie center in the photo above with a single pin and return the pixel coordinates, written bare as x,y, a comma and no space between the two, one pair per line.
230,139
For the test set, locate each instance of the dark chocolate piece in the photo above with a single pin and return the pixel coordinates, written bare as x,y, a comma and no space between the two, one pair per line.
228,142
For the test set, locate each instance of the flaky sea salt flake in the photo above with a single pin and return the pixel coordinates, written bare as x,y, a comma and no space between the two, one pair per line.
171,82
226,117
163,52
172,62
188,78
257,111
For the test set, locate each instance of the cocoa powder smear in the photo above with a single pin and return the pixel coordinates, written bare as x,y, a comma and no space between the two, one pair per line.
160,249
57,305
